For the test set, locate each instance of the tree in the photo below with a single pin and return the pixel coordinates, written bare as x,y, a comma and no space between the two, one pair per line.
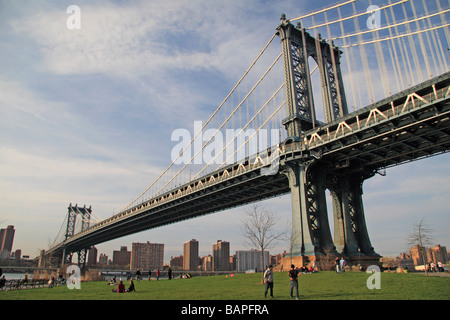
258,229
421,236
327,262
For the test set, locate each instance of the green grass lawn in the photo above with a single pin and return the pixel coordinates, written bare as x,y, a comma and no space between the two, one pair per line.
319,286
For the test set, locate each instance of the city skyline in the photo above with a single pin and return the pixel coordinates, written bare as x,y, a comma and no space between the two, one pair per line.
88,116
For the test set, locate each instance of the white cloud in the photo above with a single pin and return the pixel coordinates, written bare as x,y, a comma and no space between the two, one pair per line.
146,37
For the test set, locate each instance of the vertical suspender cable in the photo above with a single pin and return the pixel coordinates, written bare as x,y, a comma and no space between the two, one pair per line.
395,63
446,31
349,50
422,44
412,47
404,53
364,61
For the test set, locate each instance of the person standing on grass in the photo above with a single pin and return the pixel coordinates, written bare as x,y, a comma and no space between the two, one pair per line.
138,275
293,276
268,280
343,264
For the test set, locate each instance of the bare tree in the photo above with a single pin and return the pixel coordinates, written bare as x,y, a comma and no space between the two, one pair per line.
421,236
328,260
258,229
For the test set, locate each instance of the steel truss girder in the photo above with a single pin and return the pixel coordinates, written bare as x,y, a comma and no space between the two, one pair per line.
400,134
400,144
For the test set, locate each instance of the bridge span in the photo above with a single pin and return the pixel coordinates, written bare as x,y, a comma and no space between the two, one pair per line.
336,155
408,126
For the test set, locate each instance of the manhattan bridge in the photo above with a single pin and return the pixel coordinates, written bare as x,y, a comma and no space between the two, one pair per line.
346,92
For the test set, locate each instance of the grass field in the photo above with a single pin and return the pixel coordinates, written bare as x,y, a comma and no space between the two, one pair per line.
319,286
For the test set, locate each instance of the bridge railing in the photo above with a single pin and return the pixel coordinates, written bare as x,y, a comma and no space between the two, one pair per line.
372,115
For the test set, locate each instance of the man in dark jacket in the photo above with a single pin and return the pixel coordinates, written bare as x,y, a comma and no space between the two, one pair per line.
293,276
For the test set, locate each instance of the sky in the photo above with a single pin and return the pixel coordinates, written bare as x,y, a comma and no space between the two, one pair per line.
87,116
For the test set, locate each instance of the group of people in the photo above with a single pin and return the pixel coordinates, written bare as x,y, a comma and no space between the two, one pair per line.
293,279
435,267
121,286
140,277
340,264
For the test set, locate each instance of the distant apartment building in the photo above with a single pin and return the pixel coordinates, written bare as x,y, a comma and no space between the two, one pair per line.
232,261
276,259
92,257
190,255
103,259
221,256
7,238
122,257
148,256
438,254
207,263
417,256
176,262
251,260
404,260
17,254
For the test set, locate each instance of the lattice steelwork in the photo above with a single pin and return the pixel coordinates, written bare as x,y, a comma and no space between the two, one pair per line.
84,215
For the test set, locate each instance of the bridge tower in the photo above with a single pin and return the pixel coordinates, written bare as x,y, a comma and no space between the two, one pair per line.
85,215
309,178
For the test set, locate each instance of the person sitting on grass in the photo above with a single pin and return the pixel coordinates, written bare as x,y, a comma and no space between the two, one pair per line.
131,288
120,288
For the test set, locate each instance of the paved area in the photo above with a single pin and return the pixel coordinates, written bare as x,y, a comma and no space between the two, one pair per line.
434,274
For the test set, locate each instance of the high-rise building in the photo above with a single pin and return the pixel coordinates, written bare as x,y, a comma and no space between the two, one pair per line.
207,263
251,260
92,257
122,257
421,255
103,259
438,254
190,255
7,238
221,256
148,256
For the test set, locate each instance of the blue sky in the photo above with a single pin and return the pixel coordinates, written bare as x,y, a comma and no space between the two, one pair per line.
87,116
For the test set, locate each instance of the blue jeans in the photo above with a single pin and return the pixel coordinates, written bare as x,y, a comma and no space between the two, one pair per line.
294,284
269,285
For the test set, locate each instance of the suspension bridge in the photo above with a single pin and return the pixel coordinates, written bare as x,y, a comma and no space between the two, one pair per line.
344,94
